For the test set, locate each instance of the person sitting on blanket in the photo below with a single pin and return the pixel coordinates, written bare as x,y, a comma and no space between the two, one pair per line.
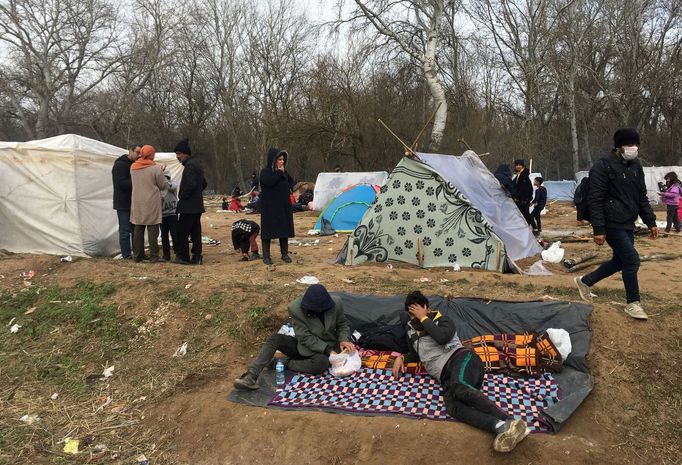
432,338
321,329
244,235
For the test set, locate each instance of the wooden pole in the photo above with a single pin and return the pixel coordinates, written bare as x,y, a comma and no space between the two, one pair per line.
408,150
414,144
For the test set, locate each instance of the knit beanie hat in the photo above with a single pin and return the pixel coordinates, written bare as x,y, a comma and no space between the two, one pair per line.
183,147
316,300
625,136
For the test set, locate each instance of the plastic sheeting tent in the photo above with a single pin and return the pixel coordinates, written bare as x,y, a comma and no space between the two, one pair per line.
452,209
345,211
560,190
56,196
329,185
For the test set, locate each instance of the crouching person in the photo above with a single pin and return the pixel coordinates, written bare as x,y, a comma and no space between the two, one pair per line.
321,329
244,235
433,339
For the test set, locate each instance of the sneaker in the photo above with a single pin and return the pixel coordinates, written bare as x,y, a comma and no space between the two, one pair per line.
254,256
286,258
247,382
635,310
512,433
267,261
244,259
584,289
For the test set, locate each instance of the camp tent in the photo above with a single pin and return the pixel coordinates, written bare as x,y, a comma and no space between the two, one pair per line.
345,211
655,174
56,196
329,185
560,190
441,210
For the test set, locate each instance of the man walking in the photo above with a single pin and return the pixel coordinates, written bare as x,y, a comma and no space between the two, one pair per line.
617,195
190,206
123,189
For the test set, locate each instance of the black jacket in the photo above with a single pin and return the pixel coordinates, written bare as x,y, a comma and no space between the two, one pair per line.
123,186
524,188
277,216
618,195
504,175
192,185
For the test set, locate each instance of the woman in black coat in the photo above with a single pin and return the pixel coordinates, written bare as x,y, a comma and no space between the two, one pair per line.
277,217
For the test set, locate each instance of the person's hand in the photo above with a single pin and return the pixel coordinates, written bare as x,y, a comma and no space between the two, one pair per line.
398,367
653,232
347,346
163,168
600,239
418,311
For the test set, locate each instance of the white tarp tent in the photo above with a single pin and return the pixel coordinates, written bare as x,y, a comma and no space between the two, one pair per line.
56,196
655,174
560,190
329,185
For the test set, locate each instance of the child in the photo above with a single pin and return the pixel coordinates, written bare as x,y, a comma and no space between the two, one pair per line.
169,221
539,203
235,202
225,205
244,235
671,198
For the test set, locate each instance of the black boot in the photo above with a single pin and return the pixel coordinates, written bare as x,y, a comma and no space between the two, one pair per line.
198,259
266,251
284,248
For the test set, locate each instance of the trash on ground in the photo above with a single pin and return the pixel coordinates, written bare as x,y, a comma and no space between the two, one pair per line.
456,267
422,280
27,275
66,259
30,419
208,317
105,402
313,232
30,310
14,328
287,329
187,286
71,445
14,318
142,460
141,278
349,281
538,269
108,372
444,280
209,241
308,280
389,266
180,351
554,254
54,396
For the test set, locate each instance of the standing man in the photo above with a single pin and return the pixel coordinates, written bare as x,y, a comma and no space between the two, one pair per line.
123,190
432,339
617,195
524,189
190,205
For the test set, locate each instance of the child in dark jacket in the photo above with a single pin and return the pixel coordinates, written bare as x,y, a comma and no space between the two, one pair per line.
244,235
538,203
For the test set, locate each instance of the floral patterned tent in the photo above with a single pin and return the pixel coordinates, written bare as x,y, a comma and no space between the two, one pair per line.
441,210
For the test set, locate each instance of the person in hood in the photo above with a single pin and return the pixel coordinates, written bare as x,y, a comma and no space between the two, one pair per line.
277,216
145,212
432,339
320,329
504,175
617,197
123,191
524,189
190,206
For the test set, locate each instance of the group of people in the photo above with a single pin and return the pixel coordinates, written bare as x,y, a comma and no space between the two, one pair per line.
321,329
520,189
146,198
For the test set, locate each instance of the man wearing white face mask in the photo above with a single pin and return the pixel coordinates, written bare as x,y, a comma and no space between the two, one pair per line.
617,195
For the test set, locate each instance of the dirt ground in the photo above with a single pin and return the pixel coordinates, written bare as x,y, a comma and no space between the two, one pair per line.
81,317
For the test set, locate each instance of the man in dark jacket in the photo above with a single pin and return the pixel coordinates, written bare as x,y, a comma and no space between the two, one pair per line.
524,189
320,328
123,190
433,340
504,175
190,205
538,203
617,197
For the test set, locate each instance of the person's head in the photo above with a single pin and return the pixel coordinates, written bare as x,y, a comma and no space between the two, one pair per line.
415,297
134,152
316,301
147,152
537,181
519,165
277,158
253,175
671,178
626,142
183,151
337,169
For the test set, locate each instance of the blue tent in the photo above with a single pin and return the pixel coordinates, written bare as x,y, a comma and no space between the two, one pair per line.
345,211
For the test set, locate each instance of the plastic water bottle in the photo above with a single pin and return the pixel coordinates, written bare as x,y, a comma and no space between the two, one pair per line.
279,369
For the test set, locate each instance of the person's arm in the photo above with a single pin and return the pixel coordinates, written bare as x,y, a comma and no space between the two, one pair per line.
189,182
342,326
270,178
160,179
443,332
120,175
307,338
599,186
542,201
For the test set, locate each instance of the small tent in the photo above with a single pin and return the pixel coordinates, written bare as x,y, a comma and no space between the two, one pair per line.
560,190
329,185
442,210
345,211
56,196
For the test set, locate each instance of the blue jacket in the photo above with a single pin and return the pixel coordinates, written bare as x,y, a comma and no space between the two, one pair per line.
540,199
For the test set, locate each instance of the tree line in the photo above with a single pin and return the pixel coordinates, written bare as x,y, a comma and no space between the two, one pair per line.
548,80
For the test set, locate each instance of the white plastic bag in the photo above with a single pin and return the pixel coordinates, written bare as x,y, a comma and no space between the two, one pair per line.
561,340
344,364
554,254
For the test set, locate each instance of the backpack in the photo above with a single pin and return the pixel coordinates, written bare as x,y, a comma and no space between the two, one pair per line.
380,336
580,199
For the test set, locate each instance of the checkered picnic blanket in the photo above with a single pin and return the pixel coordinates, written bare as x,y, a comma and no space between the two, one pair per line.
371,391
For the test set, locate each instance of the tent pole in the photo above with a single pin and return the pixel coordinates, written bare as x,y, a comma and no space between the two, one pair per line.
408,150
414,144
420,253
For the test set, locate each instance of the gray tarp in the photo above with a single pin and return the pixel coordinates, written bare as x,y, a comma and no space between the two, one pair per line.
475,317
560,190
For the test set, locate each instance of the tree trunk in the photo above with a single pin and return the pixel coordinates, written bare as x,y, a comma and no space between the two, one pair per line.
435,86
586,144
572,116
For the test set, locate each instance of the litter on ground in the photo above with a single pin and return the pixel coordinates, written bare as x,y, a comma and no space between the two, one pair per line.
308,280
180,351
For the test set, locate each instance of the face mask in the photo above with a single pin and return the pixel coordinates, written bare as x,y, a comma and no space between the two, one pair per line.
629,153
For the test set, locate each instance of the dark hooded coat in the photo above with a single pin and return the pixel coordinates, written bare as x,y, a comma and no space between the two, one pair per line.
277,216
503,174
192,185
524,188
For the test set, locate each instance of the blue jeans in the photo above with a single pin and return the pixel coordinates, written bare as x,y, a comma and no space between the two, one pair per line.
125,233
625,258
